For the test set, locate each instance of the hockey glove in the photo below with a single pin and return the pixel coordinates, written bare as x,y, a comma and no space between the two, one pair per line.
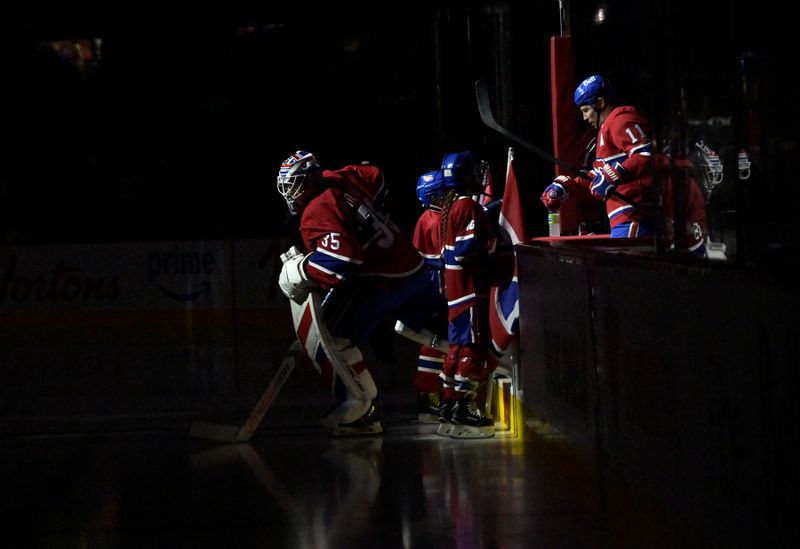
492,209
293,281
556,193
606,179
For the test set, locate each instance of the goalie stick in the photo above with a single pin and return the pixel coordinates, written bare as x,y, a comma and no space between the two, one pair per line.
485,110
243,433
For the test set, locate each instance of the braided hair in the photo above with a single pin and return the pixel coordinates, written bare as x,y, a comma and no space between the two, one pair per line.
446,203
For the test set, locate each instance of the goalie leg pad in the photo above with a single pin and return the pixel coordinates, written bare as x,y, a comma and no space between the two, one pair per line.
345,412
356,367
329,353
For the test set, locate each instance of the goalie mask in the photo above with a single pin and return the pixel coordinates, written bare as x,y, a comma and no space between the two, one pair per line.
709,161
465,169
293,177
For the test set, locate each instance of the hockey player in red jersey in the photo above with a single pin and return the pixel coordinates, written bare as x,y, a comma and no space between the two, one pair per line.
622,173
463,241
691,240
428,240
349,243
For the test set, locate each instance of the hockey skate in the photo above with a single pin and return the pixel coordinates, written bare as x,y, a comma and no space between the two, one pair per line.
428,407
445,418
368,424
468,422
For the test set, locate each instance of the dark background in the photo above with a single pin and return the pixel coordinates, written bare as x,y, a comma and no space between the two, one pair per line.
177,130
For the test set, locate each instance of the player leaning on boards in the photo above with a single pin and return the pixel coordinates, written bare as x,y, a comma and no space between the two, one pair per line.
622,173
351,246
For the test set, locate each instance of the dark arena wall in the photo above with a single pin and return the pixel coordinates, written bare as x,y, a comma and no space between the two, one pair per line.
140,227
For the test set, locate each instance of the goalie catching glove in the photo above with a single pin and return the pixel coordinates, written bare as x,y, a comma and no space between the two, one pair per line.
293,281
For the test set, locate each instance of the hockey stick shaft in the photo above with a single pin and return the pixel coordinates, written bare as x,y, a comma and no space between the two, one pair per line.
277,382
425,337
243,432
275,385
485,110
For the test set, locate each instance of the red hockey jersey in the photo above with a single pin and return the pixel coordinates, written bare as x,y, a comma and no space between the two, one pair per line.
428,240
623,139
693,236
466,248
348,232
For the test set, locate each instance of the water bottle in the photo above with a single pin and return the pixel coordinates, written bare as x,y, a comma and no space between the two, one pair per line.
554,223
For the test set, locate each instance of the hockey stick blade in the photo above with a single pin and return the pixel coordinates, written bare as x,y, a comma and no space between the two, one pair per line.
243,433
485,110
214,431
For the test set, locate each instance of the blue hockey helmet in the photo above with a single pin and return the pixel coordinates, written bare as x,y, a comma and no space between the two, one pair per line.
429,186
293,174
591,89
457,167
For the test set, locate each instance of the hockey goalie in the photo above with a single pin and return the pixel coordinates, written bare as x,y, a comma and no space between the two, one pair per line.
366,269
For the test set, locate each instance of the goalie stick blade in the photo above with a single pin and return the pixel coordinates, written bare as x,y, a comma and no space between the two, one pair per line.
216,456
214,431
